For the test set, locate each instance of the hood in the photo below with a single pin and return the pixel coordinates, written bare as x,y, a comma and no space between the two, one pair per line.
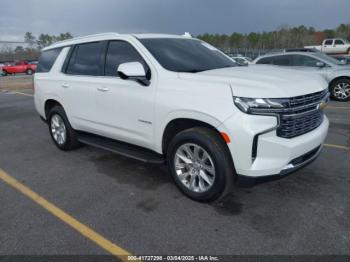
261,81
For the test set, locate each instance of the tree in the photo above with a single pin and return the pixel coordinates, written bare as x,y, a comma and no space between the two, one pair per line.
29,39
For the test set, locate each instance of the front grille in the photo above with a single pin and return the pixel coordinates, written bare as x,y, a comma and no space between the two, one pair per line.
301,115
296,126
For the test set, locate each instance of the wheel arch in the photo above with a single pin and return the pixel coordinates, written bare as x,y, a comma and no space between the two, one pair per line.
336,79
49,104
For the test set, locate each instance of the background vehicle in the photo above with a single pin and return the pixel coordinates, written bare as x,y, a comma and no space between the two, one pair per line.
19,67
335,72
333,46
175,99
343,59
241,60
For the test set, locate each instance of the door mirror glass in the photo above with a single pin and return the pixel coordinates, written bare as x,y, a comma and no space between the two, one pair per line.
133,71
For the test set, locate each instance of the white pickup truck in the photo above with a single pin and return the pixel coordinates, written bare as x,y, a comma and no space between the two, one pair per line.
333,46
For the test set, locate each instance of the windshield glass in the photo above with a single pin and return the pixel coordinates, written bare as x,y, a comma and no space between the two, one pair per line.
186,55
327,58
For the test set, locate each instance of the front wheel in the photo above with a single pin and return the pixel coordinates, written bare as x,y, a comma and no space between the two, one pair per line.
200,164
29,72
340,90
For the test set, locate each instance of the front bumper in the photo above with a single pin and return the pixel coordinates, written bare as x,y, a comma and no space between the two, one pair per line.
293,166
274,155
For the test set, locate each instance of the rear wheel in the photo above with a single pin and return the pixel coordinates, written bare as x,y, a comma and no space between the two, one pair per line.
340,90
200,164
4,73
62,133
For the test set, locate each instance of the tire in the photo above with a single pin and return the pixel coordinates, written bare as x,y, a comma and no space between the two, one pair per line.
29,72
219,162
4,73
62,133
340,90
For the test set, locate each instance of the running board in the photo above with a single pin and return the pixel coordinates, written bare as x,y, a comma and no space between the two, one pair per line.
121,148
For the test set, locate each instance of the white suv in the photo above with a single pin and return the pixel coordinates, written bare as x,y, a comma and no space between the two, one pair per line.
176,99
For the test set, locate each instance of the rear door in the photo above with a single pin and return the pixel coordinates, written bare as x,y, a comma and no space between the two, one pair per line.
82,75
339,46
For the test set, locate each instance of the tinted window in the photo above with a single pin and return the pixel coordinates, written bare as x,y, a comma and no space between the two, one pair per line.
302,60
186,55
121,52
86,60
283,60
47,59
265,61
338,42
328,42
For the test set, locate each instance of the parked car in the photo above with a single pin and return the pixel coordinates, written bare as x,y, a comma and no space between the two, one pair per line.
343,59
333,46
19,67
336,73
179,100
241,60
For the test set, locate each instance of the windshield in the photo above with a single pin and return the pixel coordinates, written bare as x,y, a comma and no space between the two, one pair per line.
186,55
327,58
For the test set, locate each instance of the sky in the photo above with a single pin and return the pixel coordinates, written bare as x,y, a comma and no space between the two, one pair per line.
81,17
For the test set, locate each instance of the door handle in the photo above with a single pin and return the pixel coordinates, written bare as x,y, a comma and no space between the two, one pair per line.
65,85
103,89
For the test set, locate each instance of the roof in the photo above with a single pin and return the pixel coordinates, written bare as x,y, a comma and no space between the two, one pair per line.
111,35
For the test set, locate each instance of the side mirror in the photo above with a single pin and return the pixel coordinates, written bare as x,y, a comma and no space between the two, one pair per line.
320,64
133,71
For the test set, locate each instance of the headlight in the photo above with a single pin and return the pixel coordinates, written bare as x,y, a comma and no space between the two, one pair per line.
259,105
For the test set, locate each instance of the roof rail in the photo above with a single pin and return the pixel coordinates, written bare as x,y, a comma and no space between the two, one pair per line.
87,36
187,34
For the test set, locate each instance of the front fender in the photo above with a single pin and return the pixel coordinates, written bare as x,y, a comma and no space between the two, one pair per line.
182,114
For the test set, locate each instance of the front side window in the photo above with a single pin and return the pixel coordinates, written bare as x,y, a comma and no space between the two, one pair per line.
47,59
86,60
120,52
338,42
186,55
303,60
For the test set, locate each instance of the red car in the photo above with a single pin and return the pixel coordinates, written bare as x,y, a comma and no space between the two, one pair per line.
19,67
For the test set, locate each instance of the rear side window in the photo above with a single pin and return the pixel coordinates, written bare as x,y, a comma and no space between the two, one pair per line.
283,60
265,61
328,42
86,60
121,52
47,59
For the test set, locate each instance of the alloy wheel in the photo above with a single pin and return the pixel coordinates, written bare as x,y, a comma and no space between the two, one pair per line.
58,129
194,167
342,91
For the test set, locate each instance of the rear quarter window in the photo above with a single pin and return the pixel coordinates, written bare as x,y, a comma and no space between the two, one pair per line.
47,59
